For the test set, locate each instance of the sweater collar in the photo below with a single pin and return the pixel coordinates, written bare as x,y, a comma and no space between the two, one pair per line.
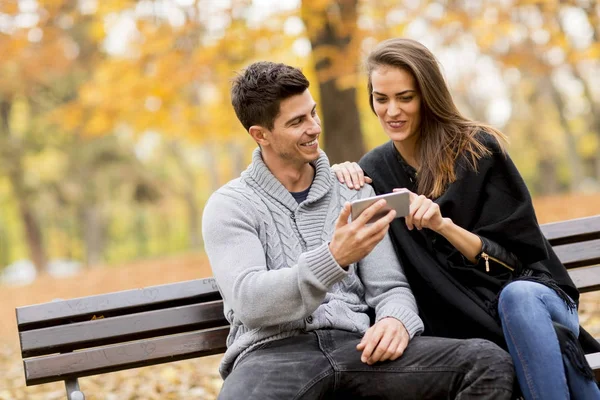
260,177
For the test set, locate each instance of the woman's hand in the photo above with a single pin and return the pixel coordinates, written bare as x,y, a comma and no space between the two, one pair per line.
351,174
424,213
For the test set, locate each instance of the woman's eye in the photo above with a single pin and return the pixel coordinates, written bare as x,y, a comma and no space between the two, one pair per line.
409,98
380,99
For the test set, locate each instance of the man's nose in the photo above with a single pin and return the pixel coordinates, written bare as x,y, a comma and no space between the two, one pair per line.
315,126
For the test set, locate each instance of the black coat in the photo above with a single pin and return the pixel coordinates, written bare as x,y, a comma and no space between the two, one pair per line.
455,298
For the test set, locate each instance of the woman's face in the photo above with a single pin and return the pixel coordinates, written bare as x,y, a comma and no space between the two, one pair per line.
397,103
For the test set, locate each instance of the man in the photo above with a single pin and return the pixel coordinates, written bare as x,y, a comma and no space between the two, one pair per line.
298,278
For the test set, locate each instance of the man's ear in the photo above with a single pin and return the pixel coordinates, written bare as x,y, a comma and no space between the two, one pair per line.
259,134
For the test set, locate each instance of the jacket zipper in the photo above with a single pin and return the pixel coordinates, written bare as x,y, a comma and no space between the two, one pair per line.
487,259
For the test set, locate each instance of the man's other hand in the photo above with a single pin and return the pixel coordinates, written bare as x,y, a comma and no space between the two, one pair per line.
386,340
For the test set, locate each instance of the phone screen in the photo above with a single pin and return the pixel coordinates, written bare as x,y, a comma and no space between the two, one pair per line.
399,201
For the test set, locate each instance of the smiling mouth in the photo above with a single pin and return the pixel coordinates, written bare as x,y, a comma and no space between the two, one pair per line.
396,124
311,143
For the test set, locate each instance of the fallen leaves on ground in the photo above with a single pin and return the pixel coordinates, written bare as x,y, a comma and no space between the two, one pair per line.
196,379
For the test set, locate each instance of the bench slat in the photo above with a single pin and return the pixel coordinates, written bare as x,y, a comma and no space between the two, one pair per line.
586,279
579,254
594,360
571,231
82,308
100,332
129,355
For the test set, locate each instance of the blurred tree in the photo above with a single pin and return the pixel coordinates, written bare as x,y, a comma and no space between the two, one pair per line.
83,83
530,37
32,60
335,38
102,171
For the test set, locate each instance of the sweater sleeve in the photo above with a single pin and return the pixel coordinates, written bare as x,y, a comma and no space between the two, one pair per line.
258,296
386,287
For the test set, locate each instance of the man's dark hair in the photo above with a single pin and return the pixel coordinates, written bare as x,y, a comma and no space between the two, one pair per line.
258,91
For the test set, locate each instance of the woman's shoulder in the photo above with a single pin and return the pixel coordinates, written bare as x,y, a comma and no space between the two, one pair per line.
490,142
376,155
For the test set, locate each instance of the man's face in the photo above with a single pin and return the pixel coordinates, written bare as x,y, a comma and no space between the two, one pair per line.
294,137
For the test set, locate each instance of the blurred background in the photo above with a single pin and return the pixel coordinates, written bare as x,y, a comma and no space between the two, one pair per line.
116,126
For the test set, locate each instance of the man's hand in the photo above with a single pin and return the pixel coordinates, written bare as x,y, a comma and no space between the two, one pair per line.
352,241
386,340
351,174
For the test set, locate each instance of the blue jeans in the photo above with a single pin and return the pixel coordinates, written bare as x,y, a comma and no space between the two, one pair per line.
325,364
527,310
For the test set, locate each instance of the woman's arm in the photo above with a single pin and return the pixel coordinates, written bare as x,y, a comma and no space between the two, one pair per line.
424,213
467,243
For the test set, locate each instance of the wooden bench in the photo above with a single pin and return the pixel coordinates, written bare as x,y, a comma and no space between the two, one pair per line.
67,339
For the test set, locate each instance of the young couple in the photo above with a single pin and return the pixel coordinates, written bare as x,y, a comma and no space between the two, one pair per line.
412,308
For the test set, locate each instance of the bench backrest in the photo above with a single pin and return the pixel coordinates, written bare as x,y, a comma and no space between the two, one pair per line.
577,244
65,339
110,332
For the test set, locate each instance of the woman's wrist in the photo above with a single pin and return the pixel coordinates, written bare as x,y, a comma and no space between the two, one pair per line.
467,243
445,226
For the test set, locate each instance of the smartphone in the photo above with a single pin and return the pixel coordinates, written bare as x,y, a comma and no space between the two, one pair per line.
399,201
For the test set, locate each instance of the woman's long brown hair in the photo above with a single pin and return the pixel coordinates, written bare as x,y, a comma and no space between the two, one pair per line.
445,134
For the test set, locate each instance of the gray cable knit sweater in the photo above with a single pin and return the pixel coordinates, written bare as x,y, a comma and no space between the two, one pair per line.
271,259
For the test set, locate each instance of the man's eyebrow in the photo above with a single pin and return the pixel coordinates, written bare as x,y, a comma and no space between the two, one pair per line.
289,121
397,94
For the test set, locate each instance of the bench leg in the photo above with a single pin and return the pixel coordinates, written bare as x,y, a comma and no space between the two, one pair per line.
73,392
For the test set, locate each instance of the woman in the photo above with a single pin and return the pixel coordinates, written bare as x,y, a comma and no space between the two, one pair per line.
471,246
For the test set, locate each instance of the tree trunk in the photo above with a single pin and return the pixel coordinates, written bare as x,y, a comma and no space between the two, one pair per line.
573,158
212,166
595,117
587,90
141,233
12,150
5,254
190,197
193,219
546,180
237,159
93,227
33,232
547,183
336,48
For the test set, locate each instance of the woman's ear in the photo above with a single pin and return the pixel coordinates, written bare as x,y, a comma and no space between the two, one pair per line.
259,134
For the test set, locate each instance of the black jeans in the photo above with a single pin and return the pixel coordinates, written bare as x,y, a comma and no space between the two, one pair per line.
326,365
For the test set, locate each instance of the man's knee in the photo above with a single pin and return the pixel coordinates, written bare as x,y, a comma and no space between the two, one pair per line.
485,355
230,390
234,389
490,370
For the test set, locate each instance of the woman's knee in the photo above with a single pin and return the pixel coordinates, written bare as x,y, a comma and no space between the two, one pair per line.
520,296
